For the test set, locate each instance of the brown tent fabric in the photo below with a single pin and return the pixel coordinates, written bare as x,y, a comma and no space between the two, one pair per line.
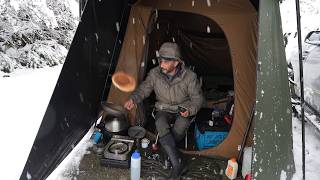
238,21
130,59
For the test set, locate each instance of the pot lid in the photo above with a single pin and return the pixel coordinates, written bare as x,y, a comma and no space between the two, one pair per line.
114,109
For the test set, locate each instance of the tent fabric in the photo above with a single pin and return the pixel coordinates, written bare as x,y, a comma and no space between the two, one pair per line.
238,21
272,149
131,55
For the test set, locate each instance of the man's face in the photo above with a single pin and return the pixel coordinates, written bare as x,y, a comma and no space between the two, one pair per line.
168,67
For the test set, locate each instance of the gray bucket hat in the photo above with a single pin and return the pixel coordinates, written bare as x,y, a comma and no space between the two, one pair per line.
170,51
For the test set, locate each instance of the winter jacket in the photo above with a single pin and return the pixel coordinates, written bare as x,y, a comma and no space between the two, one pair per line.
183,90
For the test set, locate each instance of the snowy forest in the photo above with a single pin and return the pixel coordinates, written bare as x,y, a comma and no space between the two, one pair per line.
35,34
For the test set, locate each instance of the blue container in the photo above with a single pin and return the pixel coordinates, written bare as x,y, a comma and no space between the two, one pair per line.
209,139
96,136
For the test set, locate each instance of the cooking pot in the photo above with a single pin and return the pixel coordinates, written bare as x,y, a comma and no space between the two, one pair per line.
115,117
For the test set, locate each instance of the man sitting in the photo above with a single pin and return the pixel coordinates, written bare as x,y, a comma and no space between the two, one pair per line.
178,95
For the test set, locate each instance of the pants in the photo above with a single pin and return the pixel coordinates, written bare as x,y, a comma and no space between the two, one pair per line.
163,121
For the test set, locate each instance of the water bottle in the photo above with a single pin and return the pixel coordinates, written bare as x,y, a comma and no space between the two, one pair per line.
135,167
232,168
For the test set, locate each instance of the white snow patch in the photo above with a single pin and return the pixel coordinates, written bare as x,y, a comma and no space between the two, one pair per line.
72,161
28,176
313,119
40,8
24,99
15,4
309,13
312,146
74,7
283,175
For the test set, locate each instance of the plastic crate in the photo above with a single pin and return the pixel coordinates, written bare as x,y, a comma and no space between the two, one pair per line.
209,139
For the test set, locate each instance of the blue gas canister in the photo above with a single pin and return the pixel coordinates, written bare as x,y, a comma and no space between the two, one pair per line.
96,137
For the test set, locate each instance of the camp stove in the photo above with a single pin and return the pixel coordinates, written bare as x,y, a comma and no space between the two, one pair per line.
118,151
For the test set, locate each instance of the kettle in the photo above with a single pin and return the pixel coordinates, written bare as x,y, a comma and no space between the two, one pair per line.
115,117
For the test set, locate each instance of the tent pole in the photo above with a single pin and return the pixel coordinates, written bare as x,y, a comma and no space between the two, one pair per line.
244,139
301,86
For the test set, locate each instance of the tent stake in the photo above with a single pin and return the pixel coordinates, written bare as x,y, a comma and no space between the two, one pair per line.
301,87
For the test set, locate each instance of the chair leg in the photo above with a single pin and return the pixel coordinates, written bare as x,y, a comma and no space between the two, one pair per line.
186,140
186,137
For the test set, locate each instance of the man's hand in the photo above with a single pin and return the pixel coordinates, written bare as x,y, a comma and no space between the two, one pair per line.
129,104
184,114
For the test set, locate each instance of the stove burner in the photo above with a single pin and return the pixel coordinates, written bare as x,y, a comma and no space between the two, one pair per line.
118,148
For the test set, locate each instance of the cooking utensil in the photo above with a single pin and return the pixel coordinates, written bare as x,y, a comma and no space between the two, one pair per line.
118,148
136,132
112,109
155,146
116,124
114,117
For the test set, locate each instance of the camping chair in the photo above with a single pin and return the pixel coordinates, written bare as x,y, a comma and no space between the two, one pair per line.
171,125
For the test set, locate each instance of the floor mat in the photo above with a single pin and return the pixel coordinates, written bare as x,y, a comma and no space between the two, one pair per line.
153,167
197,168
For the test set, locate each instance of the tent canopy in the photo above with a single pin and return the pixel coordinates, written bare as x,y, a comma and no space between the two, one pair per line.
209,35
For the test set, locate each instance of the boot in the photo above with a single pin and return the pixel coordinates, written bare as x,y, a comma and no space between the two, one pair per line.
169,146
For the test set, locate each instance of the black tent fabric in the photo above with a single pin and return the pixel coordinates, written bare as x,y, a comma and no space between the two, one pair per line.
74,105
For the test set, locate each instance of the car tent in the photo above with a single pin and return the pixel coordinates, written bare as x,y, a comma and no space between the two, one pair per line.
240,38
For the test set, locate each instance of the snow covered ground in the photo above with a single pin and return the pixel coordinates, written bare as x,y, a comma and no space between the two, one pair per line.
24,97
312,150
70,164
